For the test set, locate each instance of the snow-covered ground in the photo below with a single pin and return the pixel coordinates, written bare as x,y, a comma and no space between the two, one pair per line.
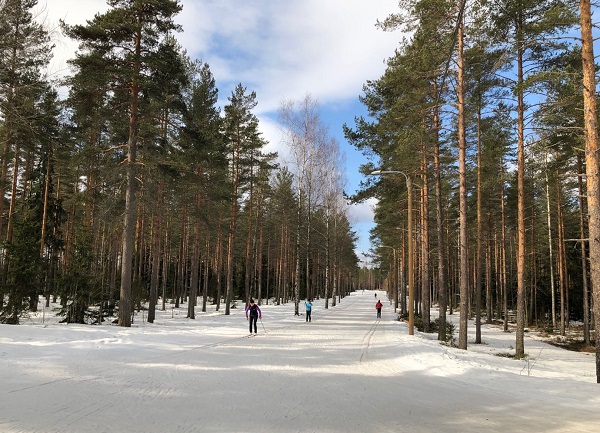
344,372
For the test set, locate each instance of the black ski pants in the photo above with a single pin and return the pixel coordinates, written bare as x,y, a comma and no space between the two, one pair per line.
253,319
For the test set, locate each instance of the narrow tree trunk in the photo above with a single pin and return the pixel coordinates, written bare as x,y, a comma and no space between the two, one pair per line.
425,271
249,241
195,270
13,195
520,332
488,275
232,228
479,252
533,271
307,244
297,273
230,240
327,258
165,266
6,151
155,234
219,262
47,181
206,274
550,253
462,174
156,256
270,253
439,217
125,303
584,272
561,259
504,285
259,259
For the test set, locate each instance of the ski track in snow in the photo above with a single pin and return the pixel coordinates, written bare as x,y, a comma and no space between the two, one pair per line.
344,372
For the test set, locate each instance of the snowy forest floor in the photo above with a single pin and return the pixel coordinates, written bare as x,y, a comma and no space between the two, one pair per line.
345,371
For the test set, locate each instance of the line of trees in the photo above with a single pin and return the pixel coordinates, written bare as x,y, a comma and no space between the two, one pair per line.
137,190
482,105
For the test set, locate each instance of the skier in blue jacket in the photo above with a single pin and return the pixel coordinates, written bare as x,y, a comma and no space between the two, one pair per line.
253,313
308,305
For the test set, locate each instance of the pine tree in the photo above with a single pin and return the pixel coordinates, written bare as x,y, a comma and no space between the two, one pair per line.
25,101
243,141
521,23
122,46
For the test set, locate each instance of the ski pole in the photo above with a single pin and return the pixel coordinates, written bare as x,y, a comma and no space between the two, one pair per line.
263,325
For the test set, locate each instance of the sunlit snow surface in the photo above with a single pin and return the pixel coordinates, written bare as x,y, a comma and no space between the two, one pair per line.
344,372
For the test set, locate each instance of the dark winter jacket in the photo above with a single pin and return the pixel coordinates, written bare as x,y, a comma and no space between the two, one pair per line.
253,310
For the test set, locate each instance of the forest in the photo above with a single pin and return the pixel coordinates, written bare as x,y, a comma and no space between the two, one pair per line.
481,139
136,189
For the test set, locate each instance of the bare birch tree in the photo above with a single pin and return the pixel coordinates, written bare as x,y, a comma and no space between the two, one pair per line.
304,134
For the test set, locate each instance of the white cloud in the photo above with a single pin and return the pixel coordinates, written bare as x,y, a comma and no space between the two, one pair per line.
72,12
362,212
282,50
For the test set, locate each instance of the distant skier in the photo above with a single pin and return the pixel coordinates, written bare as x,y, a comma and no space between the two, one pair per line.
308,305
378,305
253,313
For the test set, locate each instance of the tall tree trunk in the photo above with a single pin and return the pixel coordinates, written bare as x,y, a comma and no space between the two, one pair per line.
155,233
439,217
561,258
125,302
156,256
334,288
13,195
230,240
206,274
425,270
219,262
259,259
6,151
327,258
232,226
249,240
533,276
270,252
165,266
462,174
297,273
47,180
479,252
488,274
550,252
520,332
195,271
504,285
308,238
584,272
8,129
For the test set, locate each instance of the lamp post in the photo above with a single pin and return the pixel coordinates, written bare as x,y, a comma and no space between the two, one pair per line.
411,271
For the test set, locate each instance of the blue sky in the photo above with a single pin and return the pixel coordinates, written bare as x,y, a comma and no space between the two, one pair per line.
282,49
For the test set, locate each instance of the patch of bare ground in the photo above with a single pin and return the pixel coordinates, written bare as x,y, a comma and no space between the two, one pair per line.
572,340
